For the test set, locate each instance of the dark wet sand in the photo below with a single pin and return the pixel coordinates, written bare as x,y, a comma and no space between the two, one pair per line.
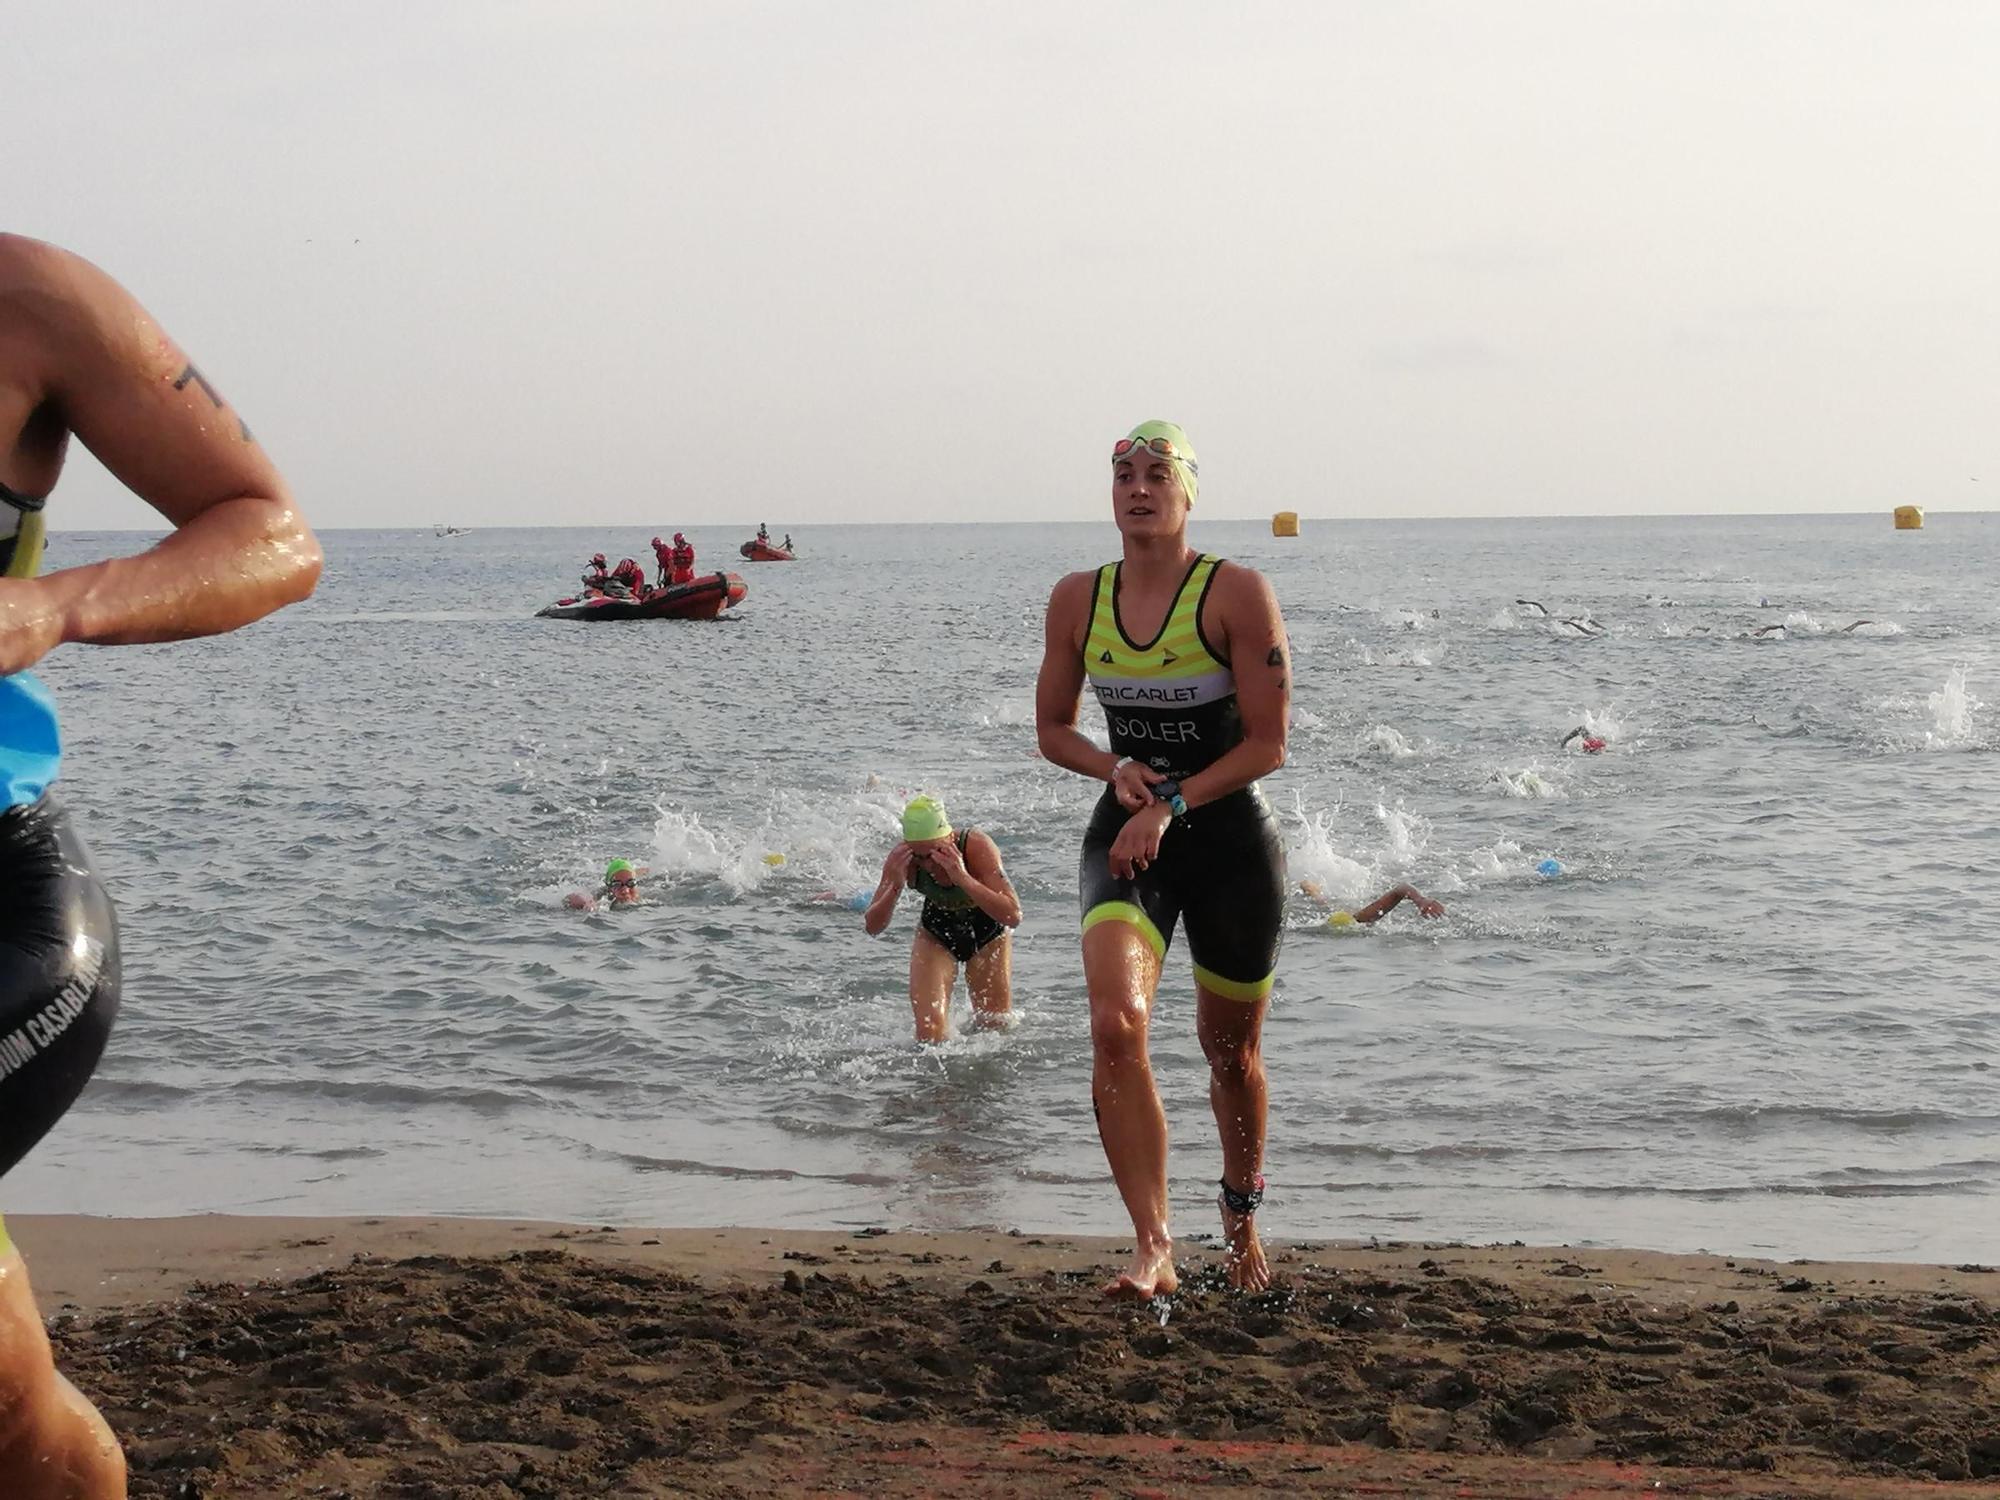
460,1358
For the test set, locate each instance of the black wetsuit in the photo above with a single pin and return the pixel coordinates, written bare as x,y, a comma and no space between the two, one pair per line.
58,936
953,917
1170,703
58,972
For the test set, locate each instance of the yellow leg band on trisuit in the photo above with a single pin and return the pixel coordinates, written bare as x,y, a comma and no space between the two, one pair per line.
1126,911
1234,989
5,1243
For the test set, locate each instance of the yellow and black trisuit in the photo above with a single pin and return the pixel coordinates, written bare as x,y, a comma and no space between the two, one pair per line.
1170,703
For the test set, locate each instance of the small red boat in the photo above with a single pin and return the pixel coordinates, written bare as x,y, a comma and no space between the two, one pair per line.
703,599
758,551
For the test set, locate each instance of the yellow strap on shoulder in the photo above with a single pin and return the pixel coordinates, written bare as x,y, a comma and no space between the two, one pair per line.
29,537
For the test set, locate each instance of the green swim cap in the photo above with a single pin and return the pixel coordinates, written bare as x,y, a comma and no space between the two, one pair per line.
616,867
924,819
1170,441
1341,919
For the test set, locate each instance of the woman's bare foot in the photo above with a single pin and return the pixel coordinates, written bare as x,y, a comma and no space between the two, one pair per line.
1244,1261
1151,1274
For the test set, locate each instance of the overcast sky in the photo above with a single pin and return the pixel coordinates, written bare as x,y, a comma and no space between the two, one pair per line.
507,263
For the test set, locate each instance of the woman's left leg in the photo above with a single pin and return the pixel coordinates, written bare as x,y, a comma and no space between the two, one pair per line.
989,976
1232,1033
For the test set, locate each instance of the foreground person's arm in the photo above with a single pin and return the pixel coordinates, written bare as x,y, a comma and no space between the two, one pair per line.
97,364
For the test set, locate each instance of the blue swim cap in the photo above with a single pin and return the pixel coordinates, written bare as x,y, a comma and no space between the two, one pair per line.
859,900
1550,868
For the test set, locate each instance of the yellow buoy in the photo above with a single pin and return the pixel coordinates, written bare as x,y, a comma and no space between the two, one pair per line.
1285,523
1909,518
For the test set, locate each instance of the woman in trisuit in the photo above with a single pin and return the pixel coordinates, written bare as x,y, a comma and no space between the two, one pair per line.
1187,655
79,357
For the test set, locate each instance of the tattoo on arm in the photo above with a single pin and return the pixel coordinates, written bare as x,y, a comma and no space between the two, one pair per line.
191,373
214,396
1276,658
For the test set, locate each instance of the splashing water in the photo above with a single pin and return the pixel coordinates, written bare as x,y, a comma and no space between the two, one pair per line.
1316,862
1407,833
1603,724
1528,784
1952,709
1501,860
1386,740
822,843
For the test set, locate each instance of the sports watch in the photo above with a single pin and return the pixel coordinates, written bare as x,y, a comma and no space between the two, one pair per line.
1169,792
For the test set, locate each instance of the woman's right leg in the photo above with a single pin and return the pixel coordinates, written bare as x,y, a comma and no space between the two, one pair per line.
1122,972
53,1443
933,971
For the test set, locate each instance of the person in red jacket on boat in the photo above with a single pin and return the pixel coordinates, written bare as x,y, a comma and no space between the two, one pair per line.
631,576
594,574
683,559
664,556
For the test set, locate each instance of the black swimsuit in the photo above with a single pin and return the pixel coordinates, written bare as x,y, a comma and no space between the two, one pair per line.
952,917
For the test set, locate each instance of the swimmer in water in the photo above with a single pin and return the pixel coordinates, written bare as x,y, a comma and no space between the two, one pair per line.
1376,910
79,357
1591,743
1188,657
968,916
620,888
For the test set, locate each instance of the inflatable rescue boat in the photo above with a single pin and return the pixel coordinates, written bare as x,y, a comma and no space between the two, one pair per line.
758,551
702,599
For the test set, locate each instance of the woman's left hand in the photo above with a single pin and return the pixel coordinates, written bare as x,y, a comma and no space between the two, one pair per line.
947,864
1138,842
29,627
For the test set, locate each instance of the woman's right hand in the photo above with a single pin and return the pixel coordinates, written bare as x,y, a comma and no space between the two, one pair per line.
896,868
1133,783
1138,842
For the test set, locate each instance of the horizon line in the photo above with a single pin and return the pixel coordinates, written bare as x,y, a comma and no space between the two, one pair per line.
1304,519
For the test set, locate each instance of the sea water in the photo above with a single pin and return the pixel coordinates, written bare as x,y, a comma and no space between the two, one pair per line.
1757,1009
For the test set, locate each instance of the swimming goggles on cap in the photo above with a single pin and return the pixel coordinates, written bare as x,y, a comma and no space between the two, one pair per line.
1163,446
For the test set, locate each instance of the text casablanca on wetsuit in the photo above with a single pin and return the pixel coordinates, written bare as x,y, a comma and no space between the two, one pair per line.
39,1031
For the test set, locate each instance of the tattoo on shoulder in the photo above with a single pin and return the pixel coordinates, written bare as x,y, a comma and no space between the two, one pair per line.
1276,658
